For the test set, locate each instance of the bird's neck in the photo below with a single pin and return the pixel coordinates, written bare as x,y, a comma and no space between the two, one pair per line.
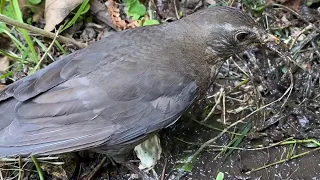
186,50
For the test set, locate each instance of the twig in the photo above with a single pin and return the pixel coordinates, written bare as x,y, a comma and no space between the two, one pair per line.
27,159
298,35
224,107
283,160
164,170
296,14
47,51
214,128
214,107
290,87
313,44
51,35
284,142
97,168
1,177
176,9
204,145
292,173
20,167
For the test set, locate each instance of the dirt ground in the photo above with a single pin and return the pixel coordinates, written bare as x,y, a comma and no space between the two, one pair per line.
239,164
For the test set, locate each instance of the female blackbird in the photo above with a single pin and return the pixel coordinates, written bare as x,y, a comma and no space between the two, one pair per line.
111,95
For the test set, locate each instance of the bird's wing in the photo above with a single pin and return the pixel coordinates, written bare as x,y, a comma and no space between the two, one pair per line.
80,62
115,103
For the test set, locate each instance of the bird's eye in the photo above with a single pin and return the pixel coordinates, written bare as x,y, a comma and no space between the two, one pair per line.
241,36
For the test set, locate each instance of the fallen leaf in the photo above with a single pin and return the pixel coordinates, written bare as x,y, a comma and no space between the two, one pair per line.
56,11
149,152
64,171
114,12
4,63
2,86
293,4
100,13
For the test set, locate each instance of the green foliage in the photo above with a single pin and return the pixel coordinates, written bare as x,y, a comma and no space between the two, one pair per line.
236,141
135,9
84,8
220,176
2,27
311,2
187,164
9,11
38,167
34,2
256,6
150,22
13,11
17,11
219,3
187,167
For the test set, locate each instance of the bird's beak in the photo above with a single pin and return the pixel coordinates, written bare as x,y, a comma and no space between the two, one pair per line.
266,38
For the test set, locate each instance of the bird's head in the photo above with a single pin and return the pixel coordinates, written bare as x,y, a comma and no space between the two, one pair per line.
227,30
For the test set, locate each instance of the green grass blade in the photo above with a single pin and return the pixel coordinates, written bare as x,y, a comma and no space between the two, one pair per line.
23,31
39,170
77,15
239,139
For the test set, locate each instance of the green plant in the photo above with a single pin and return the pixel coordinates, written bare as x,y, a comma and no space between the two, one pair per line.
13,11
34,2
256,6
220,176
84,8
137,11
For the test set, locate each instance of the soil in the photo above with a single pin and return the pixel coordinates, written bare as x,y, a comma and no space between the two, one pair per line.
239,163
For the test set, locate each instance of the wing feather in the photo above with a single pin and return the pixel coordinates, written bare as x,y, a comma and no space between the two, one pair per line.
91,98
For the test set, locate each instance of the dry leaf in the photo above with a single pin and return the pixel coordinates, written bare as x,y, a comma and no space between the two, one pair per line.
4,63
64,171
293,4
114,12
56,11
100,13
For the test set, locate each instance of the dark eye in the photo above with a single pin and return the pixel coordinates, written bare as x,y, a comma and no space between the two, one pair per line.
241,36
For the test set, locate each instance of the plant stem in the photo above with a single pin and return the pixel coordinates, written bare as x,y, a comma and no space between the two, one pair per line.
39,170
50,35
23,31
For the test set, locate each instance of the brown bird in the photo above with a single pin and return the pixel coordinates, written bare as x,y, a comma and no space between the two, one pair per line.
111,95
